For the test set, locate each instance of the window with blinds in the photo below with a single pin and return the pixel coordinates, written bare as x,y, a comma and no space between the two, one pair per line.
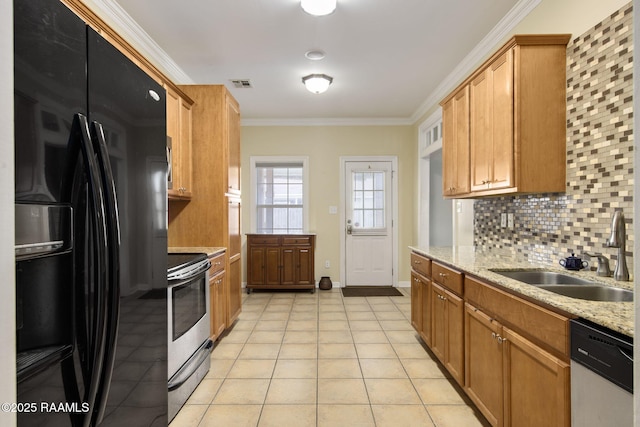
279,197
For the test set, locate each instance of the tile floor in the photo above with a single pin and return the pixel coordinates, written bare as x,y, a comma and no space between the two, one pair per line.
301,359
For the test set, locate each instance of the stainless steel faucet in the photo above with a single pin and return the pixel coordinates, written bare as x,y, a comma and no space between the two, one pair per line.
618,239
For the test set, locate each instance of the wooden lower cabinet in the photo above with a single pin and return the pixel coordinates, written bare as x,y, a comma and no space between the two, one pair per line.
511,380
217,297
417,307
447,330
281,261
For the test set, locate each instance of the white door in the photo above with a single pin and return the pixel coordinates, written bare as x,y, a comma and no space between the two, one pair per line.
368,223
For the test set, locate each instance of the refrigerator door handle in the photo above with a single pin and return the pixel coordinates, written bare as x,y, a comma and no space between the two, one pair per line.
80,140
113,264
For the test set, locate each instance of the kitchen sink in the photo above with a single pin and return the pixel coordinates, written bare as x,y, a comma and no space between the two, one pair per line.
591,292
541,277
567,285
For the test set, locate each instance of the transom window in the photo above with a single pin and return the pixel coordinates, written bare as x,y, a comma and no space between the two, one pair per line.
280,196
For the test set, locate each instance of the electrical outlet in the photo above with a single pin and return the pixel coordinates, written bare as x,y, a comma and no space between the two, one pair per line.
503,220
327,264
510,220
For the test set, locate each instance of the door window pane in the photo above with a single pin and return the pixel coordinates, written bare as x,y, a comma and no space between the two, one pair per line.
368,199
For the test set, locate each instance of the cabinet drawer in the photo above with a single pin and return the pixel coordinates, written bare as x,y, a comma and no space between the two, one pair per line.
544,326
264,240
421,264
217,264
296,240
447,277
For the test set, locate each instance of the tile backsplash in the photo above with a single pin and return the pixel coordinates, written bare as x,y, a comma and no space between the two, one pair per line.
599,158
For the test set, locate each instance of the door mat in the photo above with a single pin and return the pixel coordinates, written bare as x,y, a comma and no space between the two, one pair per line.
371,291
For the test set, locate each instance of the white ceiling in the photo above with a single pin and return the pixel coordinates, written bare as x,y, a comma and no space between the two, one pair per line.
386,57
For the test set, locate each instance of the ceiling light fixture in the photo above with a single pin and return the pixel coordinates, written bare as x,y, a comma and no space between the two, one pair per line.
317,83
318,7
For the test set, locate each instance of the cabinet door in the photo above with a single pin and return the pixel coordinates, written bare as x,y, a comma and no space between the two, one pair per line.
454,353
501,77
304,272
416,303
233,139
257,265
426,310
438,321
455,148
272,266
186,155
483,364
217,313
233,289
481,131
288,266
536,385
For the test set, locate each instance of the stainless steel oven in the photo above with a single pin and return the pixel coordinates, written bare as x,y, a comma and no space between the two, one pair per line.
188,325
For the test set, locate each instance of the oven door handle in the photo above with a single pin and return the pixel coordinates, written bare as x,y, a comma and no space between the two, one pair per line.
191,366
190,272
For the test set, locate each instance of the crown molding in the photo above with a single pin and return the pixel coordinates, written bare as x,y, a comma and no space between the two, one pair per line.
129,29
482,50
328,122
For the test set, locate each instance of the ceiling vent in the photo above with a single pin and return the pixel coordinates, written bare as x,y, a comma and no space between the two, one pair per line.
242,83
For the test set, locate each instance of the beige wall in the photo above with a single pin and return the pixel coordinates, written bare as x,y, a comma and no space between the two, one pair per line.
324,145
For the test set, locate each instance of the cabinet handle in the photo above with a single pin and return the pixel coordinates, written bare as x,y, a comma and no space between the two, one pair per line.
417,262
501,340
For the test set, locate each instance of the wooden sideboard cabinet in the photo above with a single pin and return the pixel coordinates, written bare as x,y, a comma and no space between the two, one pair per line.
280,261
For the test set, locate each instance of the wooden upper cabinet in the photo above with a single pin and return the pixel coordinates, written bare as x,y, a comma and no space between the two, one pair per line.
516,121
179,144
455,145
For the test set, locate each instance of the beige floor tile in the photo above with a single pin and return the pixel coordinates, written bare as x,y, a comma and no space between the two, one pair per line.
390,315
293,368
205,392
250,315
402,415
271,325
332,315
365,325
382,368
220,368
276,315
345,415
391,391
411,351
189,416
333,325
336,351
403,337
375,351
288,416
335,337
299,351
231,415
361,315
455,416
300,337
423,368
339,368
266,337
360,307
369,337
278,308
303,315
238,336
342,391
260,351
242,391
226,350
435,391
292,391
261,368
303,325
396,325
244,325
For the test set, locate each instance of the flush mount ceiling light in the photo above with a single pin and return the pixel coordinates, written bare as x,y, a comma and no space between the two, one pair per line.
318,7
317,83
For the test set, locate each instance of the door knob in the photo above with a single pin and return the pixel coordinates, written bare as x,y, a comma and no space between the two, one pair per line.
349,228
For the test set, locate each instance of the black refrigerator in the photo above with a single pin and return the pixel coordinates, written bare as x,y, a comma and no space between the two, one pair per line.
91,227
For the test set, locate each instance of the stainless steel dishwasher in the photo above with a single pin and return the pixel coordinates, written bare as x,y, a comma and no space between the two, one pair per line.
601,376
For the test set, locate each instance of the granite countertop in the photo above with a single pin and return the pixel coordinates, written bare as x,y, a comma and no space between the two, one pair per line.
210,251
618,316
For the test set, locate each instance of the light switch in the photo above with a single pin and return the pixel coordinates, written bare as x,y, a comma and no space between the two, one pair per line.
333,210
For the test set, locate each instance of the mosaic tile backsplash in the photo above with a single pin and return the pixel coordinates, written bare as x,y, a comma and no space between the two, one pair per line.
599,158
